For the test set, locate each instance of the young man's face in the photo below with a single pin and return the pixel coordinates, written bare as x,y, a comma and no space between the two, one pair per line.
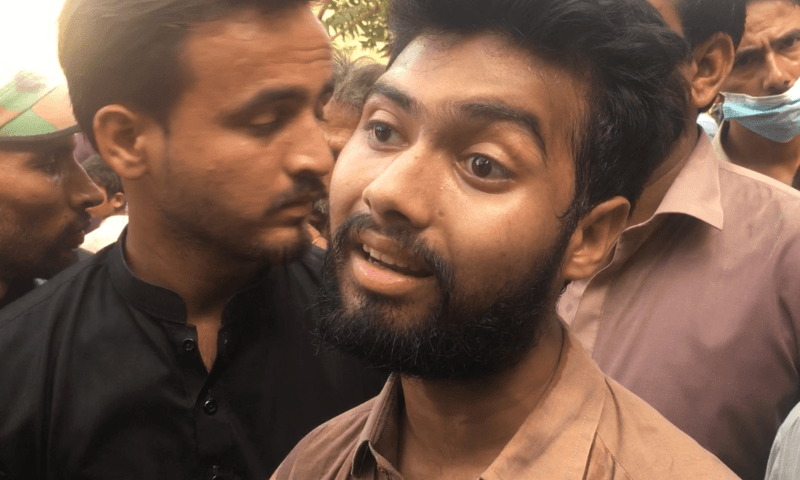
768,59
44,195
447,205
244,155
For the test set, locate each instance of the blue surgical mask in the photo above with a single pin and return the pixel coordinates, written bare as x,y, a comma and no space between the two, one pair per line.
776,117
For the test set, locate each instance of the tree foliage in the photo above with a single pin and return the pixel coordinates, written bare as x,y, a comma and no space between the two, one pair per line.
364,20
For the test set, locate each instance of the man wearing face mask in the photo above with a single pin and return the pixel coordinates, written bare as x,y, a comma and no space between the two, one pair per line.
761,95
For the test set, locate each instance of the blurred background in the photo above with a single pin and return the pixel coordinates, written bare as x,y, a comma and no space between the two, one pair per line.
28,32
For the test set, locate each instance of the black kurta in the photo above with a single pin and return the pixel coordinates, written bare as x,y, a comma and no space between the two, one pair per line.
101,378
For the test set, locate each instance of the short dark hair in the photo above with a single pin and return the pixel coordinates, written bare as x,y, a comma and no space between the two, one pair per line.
102,175
636,95
702,18
130,51
353,78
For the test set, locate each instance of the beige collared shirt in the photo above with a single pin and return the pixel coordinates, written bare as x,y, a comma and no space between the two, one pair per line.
585,427
698,312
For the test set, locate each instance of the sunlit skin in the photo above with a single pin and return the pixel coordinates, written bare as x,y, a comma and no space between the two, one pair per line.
340,122
442,148
767,63
44,195
227,190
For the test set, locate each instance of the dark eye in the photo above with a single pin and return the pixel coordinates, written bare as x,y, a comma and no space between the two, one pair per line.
47,163
484,167
742,61
790,42
383,134
262,129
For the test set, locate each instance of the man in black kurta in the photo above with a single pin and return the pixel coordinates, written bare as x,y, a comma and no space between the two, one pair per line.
102,378
185,350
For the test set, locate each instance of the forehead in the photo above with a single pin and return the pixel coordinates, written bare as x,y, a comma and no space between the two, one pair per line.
769,19
233,57
10,151
443,70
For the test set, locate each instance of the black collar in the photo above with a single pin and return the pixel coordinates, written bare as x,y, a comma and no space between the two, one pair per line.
163,303
151,299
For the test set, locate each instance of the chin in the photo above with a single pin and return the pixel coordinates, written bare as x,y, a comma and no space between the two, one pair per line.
274,249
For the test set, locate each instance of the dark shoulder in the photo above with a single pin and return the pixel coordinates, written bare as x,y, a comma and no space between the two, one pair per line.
327,451
50,301
647,446
306,269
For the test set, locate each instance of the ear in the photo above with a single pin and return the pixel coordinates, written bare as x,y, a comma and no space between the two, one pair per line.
117,201
594,237
126,139
712,61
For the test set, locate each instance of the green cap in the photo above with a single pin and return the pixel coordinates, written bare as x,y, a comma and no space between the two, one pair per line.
35,108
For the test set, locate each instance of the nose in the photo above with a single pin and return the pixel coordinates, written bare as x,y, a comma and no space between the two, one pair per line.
405,190
778,79
310,154
81,191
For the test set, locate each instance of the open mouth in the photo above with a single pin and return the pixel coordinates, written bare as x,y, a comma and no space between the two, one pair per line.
392,263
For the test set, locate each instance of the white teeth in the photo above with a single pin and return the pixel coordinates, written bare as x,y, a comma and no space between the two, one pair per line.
383,257
374,254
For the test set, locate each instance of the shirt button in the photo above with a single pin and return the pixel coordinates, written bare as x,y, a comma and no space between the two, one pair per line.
210,407
216,475
188,345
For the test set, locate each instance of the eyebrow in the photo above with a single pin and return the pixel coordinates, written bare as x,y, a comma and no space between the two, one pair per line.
262,99
402,99
791,33
748,52
497,112
486,112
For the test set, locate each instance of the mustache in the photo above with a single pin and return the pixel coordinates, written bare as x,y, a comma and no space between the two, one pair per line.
308,187
81,223
403,235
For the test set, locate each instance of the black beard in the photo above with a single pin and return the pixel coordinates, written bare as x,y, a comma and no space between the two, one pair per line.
465,337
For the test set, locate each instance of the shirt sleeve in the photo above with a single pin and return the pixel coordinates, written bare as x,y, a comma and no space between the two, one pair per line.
784,459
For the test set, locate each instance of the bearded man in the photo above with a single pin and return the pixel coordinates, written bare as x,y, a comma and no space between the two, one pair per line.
496,159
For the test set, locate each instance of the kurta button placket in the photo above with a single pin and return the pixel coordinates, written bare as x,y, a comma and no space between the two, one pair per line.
189,345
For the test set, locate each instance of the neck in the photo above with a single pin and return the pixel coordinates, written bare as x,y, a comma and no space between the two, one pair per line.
662,178
752,151
203,278
456,430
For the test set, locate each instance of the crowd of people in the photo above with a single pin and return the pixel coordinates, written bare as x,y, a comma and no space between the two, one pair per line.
511,252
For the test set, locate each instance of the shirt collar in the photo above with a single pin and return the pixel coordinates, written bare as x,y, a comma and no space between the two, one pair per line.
151,299
380,434
696,190
555,439
161,302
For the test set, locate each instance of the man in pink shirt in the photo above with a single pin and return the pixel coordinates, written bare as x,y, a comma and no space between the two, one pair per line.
697,310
